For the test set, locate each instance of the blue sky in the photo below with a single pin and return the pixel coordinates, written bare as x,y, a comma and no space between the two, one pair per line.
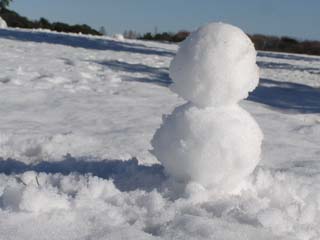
297,18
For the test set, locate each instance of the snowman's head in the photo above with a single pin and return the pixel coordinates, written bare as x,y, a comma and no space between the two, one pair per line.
215,66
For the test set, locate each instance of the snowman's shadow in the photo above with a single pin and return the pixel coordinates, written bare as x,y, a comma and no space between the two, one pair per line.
126,175
287,96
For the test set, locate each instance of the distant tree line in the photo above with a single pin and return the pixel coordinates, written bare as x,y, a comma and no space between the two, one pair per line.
166,36
13,19
261,42
285,44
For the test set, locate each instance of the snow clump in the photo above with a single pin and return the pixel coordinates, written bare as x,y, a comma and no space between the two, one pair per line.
211,140
118,37
3,23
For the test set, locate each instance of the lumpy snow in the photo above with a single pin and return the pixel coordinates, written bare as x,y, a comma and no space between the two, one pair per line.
77,115
212,137
3,23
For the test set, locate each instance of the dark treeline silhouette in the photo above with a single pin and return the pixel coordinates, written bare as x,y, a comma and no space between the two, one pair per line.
166,36
285,44
13,19
261,42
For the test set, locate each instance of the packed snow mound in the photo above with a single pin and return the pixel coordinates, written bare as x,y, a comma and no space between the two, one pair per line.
215,65
3,23
216,147
118,36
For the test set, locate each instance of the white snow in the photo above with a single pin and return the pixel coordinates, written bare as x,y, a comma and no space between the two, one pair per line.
57,99
3,23
218,145
96,99
214,66
278,206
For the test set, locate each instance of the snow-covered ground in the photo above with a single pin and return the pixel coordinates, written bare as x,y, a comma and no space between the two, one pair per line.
77,115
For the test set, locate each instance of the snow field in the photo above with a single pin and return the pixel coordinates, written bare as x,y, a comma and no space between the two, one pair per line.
120,127
87,103
111,111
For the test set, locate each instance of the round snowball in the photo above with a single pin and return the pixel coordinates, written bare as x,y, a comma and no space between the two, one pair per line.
214,66
3,23
216,147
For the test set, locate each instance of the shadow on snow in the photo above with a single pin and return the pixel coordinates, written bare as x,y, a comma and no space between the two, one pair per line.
127,175
158,76
288,56
287,96
281,95
81,42
287,66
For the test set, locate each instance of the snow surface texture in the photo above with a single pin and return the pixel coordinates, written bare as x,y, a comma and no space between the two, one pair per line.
218,144
45,206
217,147
214,66
100,100
3,23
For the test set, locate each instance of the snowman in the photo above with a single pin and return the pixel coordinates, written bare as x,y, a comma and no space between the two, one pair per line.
211,140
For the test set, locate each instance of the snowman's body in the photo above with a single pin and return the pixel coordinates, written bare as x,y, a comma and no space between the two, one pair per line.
211,140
